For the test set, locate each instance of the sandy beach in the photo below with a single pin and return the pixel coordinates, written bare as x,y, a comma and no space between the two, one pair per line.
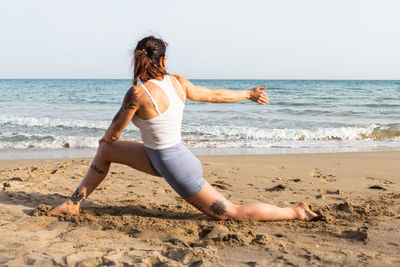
134,219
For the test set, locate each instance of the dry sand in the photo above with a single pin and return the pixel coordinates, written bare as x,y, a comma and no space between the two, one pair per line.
134,219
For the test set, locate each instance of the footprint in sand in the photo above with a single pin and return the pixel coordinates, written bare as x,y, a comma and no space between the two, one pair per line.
330,192
334,194
232,171
358,235
275,168
221,184
382,181
317,173
392,244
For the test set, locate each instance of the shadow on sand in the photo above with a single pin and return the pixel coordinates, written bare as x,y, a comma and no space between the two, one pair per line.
34,199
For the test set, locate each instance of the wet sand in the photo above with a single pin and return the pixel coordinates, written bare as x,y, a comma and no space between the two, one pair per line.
134,219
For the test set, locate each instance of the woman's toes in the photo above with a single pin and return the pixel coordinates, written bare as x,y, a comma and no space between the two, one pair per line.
304,213
65,208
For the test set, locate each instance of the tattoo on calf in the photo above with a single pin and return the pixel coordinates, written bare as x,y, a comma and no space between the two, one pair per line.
77,197
218,207
96,169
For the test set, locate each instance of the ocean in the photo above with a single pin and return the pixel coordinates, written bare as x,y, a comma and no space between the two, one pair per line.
66,118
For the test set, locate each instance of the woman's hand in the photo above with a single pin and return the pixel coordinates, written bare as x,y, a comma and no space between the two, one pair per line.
258,96
104,139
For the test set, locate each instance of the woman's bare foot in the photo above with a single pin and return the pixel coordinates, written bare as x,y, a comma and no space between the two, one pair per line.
304,213
68,207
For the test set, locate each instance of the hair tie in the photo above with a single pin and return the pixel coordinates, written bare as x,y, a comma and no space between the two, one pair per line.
144,50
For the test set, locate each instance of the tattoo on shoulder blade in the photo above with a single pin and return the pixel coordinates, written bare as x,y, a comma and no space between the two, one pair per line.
96,169
218,207
77,197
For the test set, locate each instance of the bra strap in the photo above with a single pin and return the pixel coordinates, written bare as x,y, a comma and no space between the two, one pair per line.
179,85
152,100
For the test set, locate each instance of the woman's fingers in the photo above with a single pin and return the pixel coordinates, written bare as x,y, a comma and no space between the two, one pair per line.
260,100
259,96
260,88
265,99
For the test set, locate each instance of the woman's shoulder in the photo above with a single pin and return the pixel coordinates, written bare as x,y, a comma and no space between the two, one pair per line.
178,77
135,93
182,80
134,90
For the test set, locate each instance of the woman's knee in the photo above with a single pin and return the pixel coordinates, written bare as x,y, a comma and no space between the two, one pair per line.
213,204
103,150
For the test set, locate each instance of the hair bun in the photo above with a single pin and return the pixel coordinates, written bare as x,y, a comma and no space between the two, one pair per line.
149,51
147,59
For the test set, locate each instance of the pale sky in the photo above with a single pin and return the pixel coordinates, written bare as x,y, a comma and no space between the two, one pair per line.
221,39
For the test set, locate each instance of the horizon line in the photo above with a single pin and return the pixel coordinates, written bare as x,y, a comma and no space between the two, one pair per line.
249,79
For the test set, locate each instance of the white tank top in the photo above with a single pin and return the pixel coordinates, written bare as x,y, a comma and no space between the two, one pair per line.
164,130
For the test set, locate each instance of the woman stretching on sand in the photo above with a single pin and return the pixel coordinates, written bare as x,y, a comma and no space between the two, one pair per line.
156,108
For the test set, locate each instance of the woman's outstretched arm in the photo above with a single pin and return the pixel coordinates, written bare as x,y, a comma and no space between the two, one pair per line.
203,94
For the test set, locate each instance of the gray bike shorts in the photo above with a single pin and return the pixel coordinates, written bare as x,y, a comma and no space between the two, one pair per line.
180,168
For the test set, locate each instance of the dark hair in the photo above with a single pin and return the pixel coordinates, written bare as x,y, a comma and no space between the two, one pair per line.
146,61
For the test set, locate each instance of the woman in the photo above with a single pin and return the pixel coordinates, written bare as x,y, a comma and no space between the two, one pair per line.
156,108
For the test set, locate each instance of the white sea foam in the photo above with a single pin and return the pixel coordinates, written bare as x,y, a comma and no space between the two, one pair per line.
196,135
52,142
236,132
92,142
48,122
217,136
332,144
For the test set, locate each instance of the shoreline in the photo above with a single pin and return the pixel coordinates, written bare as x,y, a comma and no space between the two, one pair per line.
71,153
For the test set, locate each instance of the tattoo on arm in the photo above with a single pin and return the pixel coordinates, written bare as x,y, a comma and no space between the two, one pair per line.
117,127
96,169
128,103
117,115
129,106
77,197
218,207
130,99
